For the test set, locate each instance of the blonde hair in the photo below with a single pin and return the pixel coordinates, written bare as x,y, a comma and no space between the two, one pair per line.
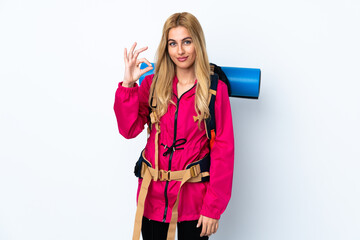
161,87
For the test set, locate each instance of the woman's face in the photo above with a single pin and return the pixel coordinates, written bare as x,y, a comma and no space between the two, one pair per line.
181,48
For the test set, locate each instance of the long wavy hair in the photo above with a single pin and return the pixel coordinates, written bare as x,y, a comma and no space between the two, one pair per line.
165,69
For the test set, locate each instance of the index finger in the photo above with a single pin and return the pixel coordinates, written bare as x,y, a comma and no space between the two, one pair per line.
137,52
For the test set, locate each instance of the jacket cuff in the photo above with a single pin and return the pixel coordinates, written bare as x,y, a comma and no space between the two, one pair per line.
128,89
211,213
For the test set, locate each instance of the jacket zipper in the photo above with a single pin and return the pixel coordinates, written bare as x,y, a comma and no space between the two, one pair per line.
170,158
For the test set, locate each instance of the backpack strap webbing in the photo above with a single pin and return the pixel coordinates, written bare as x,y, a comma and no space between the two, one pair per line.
152,107
210,121
155,120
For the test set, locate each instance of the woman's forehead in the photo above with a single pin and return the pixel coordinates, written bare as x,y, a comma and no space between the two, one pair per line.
178,33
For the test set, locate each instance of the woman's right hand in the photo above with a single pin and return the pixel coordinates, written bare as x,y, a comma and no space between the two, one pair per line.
132,66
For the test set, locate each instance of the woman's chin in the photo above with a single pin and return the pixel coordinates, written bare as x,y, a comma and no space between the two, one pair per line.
184,65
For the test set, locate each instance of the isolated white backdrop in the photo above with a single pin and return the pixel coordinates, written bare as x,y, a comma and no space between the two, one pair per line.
66,173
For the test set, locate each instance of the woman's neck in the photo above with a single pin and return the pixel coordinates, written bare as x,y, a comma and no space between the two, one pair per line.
186,76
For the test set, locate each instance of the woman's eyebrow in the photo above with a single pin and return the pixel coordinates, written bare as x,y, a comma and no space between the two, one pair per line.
181,40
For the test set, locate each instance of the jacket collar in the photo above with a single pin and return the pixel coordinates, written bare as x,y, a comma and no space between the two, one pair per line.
188,93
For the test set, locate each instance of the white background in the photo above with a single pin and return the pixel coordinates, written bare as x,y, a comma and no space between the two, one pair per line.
66,173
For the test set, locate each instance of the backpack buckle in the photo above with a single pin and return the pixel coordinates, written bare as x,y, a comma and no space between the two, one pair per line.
195,170
164,175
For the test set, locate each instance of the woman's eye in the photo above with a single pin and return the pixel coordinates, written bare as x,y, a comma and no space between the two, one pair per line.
187,42
172,44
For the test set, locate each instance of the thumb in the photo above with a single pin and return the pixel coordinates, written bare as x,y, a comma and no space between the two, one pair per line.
200,221
145,70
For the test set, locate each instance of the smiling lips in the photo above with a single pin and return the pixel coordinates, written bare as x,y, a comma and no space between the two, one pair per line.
182,59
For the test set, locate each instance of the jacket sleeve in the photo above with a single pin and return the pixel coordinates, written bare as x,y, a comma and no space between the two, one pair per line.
131,108
222,158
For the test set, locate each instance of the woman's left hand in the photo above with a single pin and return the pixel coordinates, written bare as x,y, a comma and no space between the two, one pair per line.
209,225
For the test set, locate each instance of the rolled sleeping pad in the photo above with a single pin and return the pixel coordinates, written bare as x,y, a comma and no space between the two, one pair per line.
244,82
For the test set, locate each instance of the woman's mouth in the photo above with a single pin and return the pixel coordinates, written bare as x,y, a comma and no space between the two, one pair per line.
182,59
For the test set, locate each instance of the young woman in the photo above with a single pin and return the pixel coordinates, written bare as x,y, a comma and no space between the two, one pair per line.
178,94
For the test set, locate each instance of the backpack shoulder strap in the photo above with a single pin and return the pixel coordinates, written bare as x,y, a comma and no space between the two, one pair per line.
152,106
210,122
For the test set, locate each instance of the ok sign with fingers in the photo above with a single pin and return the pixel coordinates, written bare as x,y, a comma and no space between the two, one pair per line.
132,66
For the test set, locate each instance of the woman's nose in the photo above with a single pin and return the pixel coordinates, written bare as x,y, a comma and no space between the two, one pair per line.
180,49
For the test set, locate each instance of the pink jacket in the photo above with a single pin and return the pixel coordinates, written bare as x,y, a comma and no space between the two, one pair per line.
206,198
